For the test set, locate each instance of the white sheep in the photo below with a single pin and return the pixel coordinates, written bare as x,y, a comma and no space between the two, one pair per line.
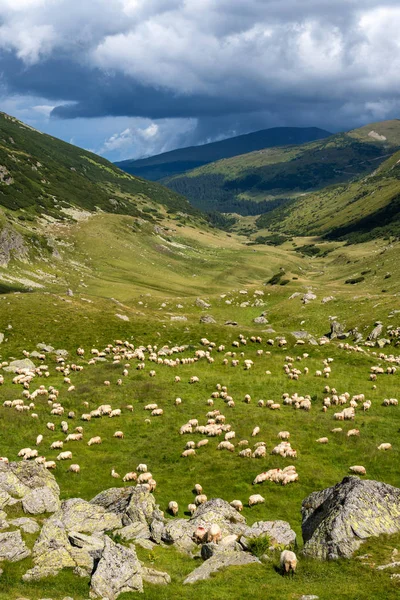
173,507
256,499
65,455
131,476
288,561
385,446
358,469
237,505
94,440
74,468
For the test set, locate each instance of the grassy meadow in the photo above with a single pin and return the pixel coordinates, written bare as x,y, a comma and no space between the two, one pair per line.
116,268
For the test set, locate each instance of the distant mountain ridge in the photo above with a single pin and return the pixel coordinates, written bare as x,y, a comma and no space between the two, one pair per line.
262,181
181,160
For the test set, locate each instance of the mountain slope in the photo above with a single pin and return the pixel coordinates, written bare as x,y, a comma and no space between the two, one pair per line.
261,181
364,209
40,174
184,159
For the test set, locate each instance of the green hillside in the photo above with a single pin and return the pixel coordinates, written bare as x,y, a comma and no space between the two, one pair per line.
364,209
41,174
181,160
262,181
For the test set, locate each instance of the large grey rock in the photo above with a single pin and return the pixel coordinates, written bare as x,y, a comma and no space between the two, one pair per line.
115,500
40,500
32,482
260,320
338,519
202,303
53,552
337,330
207,319
134,531
15,365
117,571
279,532
376,332
93,544
79,515
27,525
142,508
219,561
179,532
155,577
12,547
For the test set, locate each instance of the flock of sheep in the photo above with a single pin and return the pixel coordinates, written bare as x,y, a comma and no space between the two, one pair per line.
215,424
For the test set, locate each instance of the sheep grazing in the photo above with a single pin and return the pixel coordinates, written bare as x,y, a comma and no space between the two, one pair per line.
284,435
114,474
256,499
200,499
141,468
358,470
198,489
188,452
94,440
74,468
288,561
200,535
353,432
173,508
50,464
214,534
237,505
131,476
51,426
119,435
385,446
65,455
39,440
192,508
57,445
322,440
255,431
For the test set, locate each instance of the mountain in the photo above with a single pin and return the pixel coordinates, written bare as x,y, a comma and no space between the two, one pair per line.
40,174
364,209
184,159
261,181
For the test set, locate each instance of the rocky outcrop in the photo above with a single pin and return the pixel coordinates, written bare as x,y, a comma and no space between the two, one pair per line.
218,561
279,532
15,365
376,332
338,519
12,547
32,484
117,571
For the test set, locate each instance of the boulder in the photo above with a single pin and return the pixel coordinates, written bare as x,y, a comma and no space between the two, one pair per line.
45,347
114,500
337,330
12,547
338,519
202,303
15,365
117,571
219,561
27,525
179,532
134,531
279,532
260,320
82,516
155,577
32,483
376,332
142,508
207,319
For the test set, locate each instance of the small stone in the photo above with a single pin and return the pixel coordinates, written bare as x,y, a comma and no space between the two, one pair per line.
156,577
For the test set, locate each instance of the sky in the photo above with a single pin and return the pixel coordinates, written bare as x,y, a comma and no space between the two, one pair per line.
132,78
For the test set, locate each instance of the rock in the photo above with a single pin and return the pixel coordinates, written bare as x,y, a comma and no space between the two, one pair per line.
40,500
179,318
1,338
146,544
32,482
383,342
82,516
92,544
142,508
45,347
217,511
62,352
376,332
15,365
179,532
202,303
114,500
69,292
219,561
27,525
12,547
207,319
337,330
309,597
308,297
122,317
279,532
260,320
232,323
295,295
117,571
156,577
392,565
338,519
327,299
134,531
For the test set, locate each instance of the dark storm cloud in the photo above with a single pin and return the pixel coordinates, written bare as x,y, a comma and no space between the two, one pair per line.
234,65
